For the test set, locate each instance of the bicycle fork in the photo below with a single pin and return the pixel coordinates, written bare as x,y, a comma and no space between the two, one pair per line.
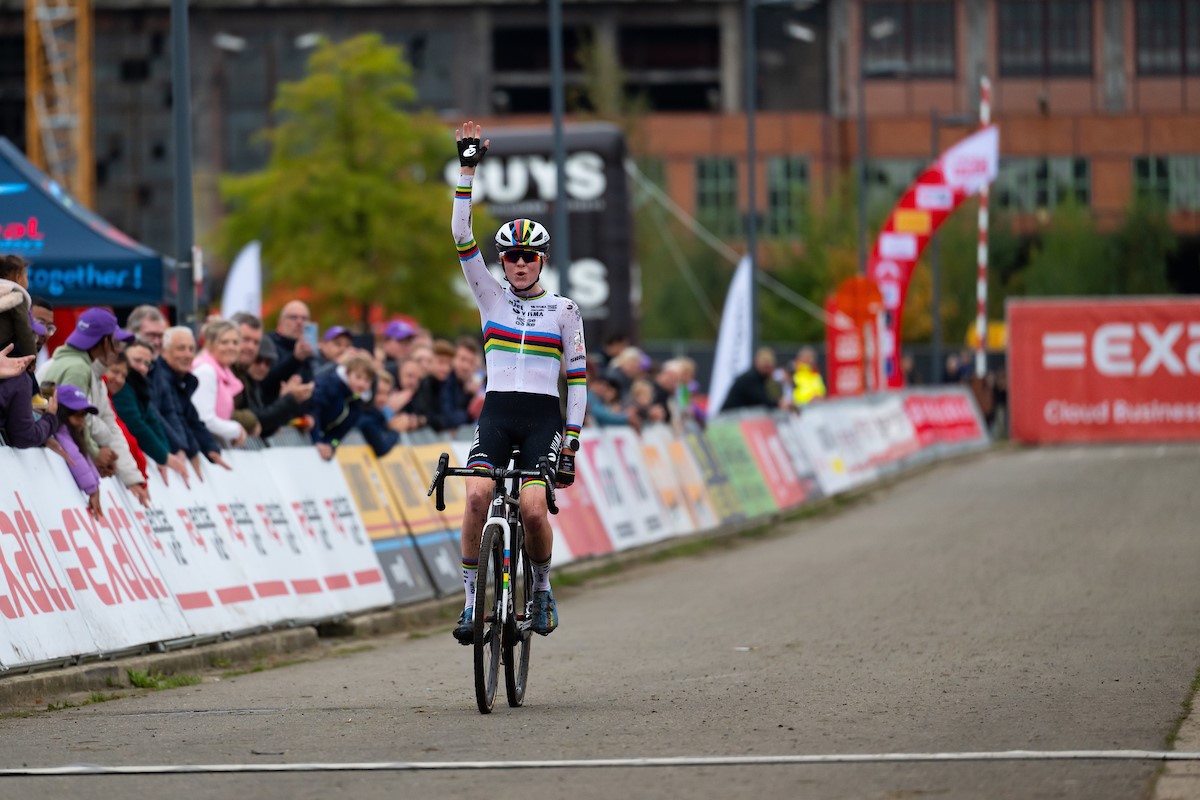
506,582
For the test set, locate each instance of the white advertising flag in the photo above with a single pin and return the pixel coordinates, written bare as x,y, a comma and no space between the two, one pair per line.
734,341
243,284
973,163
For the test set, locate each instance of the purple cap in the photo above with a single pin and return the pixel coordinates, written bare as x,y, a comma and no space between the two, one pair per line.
93,325
73,397
334,332
38,328
399,329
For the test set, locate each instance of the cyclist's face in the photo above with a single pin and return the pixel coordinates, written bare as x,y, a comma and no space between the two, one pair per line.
522,274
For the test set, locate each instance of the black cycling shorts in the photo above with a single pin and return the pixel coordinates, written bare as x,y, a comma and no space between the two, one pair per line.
531,422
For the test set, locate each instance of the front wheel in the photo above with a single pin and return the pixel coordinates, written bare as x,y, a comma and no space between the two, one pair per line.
488,620
517,636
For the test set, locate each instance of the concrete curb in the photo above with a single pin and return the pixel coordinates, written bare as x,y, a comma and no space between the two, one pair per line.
19,692
23,691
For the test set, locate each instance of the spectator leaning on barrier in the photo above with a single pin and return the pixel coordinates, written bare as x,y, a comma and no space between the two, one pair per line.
333,345
443,365
295,354
74,407
216,385
412,401
15,306
171,386
338,402
256,356
756,388
148,324
114,381
461,384
625,368
17,423
807,383
134,407
92,346
379,425
604,404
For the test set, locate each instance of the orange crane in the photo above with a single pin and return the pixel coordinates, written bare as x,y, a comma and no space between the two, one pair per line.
58,79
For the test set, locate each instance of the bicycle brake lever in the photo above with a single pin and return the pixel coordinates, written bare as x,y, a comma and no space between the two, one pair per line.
439,482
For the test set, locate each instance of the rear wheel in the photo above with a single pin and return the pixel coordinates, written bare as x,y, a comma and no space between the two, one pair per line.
487,617
517,639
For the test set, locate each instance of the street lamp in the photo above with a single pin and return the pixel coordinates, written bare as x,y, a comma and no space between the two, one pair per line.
878,31
937,120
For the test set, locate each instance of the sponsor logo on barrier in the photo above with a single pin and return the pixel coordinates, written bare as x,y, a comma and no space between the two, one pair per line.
1125,370
1112,349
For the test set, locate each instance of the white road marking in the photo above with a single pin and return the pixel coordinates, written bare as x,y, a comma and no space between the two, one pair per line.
594,763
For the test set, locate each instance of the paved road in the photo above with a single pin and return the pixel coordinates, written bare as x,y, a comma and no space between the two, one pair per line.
1025,600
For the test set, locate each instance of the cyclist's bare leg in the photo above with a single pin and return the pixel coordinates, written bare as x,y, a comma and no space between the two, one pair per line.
539,537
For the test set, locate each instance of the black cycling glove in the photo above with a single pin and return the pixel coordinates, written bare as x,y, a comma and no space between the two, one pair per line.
566,469
470,151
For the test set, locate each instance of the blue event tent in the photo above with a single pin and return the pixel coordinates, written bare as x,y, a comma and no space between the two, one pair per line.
75,257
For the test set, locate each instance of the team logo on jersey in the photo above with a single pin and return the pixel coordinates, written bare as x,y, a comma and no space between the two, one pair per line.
578,340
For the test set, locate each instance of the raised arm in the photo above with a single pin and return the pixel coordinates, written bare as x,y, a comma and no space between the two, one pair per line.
484,286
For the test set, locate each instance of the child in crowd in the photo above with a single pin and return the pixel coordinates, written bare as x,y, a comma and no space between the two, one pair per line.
73,408
338,399
376,419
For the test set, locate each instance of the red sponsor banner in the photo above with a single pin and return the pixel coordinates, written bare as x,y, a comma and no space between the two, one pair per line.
942,418
1104,370
788,488
843,355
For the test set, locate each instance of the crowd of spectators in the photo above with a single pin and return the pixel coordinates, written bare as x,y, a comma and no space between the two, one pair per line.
151,396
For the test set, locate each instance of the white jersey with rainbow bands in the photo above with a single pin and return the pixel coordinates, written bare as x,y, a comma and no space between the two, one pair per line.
525,339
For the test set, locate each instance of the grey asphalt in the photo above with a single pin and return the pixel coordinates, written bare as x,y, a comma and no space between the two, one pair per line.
1027,599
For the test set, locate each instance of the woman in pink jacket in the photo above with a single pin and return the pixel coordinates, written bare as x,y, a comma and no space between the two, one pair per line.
218,386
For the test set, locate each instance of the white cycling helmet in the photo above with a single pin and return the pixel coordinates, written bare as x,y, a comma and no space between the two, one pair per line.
523,234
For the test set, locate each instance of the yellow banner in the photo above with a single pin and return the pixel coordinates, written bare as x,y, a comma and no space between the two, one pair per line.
379,513
907,220
404,479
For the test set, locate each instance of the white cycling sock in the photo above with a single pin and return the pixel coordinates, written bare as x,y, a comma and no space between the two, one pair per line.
541,575
470,568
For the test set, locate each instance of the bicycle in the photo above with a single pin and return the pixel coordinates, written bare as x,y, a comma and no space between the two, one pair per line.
502,633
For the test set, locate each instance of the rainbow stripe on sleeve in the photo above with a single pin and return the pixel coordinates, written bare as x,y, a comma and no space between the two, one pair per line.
462,193
467,249
577,377
573,430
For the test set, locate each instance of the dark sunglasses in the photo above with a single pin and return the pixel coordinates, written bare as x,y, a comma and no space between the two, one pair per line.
513,256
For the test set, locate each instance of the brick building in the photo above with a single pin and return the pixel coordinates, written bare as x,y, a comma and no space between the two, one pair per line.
1096,99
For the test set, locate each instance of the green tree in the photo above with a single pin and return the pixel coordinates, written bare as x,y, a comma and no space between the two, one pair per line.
351,202
1141,247
1071,258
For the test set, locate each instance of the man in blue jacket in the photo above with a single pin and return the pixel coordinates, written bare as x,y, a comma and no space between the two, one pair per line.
171,386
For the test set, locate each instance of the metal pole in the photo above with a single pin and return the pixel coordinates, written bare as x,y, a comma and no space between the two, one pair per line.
181,100
935,262
862,163
981,280
750,74
562,233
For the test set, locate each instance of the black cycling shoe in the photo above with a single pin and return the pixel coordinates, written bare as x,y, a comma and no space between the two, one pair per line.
545,613
465,631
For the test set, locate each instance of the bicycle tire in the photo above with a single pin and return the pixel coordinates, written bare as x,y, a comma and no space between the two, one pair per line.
489,633
518,637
